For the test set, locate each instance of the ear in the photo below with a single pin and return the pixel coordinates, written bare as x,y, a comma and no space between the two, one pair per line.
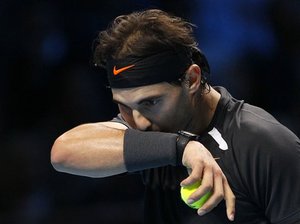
193,75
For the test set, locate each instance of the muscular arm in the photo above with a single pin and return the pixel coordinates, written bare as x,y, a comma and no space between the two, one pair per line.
97,150
93,150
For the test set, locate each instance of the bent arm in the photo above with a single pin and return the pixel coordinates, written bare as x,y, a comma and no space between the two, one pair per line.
98,150
93,150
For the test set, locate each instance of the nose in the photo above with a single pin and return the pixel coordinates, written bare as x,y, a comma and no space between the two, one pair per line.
140,121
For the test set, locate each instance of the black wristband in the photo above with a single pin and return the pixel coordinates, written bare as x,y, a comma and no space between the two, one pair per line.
145,150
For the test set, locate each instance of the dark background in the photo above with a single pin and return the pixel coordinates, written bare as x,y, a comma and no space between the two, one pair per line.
48,85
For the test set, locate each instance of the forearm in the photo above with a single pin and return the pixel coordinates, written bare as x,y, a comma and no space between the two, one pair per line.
102,149
94,150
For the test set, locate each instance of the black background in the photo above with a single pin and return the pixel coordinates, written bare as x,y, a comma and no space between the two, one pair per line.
48,85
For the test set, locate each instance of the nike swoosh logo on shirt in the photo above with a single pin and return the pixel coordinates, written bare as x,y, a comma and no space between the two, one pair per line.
118,71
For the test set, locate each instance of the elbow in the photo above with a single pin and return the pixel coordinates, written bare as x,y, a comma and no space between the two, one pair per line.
58,156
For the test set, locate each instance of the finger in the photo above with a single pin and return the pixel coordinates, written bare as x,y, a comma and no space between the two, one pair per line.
206,185
229,199
195,175
217,194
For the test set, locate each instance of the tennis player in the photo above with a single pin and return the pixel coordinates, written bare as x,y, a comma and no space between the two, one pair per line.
174,128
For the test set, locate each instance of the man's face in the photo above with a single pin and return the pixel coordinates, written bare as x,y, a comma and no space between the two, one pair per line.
159,107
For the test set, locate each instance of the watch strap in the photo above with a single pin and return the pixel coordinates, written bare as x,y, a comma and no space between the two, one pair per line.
181,143
182,140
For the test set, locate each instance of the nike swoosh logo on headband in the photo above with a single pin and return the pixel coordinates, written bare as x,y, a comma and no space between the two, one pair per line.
118,71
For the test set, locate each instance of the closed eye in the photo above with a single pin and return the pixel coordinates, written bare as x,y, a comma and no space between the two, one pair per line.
149,102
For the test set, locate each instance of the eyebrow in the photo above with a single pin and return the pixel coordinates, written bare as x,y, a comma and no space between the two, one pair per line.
140,101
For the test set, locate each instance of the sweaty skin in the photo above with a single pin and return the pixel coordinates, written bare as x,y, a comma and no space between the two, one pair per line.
93,150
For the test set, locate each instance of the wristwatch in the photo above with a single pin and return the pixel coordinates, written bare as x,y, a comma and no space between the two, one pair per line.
182,140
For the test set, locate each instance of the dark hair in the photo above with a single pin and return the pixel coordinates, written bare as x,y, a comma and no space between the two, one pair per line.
147,32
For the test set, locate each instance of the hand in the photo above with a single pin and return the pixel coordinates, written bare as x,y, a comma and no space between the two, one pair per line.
202,166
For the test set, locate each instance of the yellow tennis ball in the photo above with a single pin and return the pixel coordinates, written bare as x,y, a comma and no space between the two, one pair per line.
186,192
